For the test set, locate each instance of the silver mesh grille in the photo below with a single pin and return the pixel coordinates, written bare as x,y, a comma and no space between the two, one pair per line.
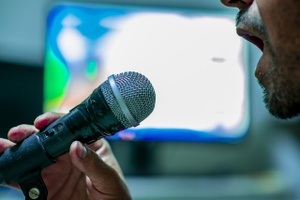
137,92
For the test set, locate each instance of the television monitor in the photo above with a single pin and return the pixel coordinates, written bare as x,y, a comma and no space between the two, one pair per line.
192,57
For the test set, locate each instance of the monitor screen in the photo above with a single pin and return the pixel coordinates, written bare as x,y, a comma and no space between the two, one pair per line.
193,58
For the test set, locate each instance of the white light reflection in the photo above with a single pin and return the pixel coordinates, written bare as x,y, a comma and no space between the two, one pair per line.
195,66
70,41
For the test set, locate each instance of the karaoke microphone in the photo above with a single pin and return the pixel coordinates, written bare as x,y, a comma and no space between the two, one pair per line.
121,102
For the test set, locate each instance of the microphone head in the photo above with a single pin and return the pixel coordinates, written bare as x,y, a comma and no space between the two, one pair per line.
130,96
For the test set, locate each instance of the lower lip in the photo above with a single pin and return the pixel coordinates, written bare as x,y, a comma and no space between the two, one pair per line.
261,70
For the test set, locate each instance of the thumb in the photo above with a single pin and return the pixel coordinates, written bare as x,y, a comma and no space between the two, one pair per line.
103,181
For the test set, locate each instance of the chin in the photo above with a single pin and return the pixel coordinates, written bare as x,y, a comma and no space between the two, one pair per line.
283,109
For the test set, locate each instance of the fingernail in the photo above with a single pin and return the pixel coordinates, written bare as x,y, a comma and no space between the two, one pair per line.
81,150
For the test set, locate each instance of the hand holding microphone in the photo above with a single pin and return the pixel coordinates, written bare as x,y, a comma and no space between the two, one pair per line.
120,102
73,175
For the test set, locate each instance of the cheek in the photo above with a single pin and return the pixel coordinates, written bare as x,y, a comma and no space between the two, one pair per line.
282,27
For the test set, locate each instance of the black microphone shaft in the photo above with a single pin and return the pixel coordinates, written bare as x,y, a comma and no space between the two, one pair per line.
87,122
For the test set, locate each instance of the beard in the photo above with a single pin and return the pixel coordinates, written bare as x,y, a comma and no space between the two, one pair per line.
281,109
282,95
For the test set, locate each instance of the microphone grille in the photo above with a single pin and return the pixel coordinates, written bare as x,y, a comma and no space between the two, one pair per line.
137,93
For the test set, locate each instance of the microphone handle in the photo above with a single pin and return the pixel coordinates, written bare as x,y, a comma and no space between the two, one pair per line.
87,122
37,151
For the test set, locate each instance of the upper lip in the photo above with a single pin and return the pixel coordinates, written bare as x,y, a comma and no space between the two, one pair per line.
251,36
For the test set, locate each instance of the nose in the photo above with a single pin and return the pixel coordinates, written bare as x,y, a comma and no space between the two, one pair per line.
240,4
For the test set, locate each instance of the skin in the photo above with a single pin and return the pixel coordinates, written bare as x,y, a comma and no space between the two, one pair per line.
276,27
85,173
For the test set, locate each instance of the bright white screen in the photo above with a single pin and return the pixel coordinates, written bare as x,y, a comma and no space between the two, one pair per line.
194,61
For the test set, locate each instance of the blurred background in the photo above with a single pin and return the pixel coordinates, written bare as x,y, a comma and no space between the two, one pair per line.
257,158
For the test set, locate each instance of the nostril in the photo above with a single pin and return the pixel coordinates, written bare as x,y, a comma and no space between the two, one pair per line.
236,2
233,3
240,4
248,2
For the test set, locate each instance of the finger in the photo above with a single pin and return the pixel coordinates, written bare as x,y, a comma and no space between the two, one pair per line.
96,145
105,180
104,150
45,119
102,146
19,133
4,144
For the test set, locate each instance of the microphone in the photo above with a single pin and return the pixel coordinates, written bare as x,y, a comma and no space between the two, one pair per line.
121,102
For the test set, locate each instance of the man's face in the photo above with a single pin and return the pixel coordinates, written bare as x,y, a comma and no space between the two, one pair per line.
274,26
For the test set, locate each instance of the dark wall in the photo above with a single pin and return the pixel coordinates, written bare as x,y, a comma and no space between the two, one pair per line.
21,95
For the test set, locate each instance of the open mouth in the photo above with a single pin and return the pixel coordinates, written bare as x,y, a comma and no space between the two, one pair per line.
255,40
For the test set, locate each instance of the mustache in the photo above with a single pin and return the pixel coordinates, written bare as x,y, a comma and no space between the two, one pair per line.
243,17
239,16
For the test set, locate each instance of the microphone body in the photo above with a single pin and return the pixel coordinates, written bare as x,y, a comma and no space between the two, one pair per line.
96,117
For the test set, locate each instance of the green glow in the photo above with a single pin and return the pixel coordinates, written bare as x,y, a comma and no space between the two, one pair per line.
56,81
91,70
